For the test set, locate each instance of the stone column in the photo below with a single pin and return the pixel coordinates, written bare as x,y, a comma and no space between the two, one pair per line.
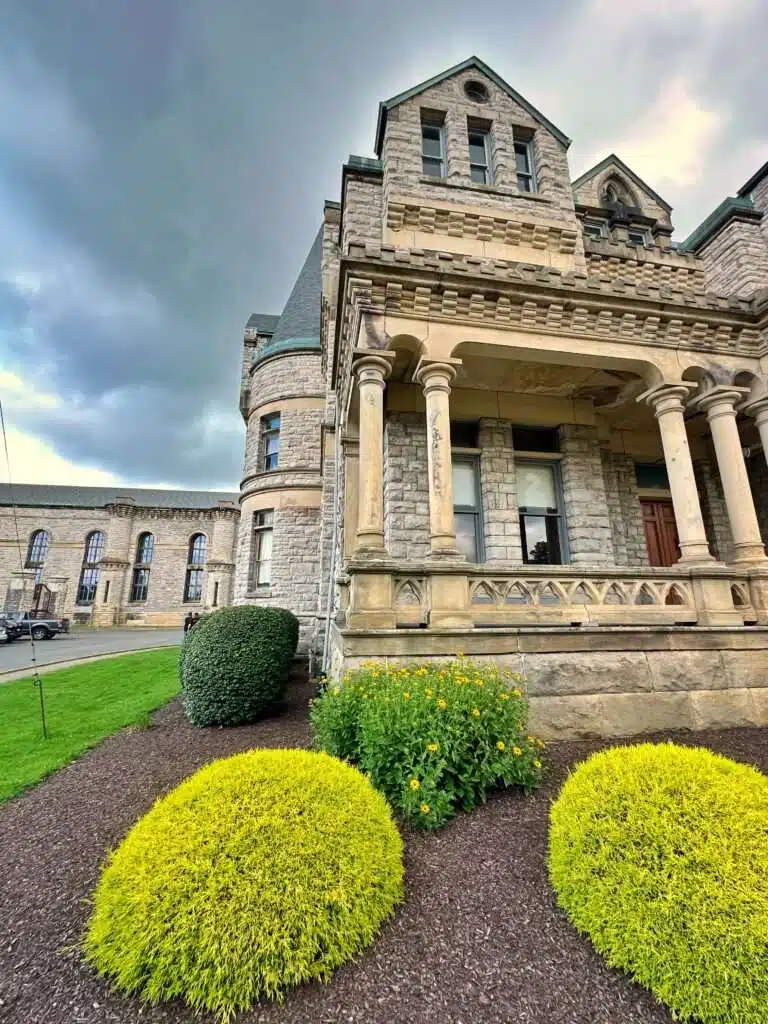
371,371
436,379
667,403
720,407
758,410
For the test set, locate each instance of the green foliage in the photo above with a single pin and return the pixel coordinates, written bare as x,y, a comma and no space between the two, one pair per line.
434,737
259,872
659,854
235,662
83,705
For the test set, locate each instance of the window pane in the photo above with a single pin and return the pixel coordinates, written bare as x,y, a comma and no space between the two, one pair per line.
535,439
651,475
479,174
524,183
466,534
263,518
265,546
464,484
536,487
434,168
272,444
477,151
431,140
464,433
522,158
540,539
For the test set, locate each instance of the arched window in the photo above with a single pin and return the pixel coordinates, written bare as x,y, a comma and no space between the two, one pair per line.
193,580
145,549
36,553
89,574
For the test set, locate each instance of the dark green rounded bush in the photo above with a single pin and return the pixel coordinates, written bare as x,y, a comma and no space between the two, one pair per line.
235,663
259,872
660,854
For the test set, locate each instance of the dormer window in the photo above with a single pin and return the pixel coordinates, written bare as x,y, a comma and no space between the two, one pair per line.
524,166
594,229
432,145
636,236
480,156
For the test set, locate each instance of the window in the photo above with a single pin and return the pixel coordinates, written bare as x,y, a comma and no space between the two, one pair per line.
270,440
541,519
106,592
464,433
89,574
524,166
594,229
480,156
37,552
652,475
466,507
635,236
476,92
193,580
215,601
536,439
433,148
145,549
261,550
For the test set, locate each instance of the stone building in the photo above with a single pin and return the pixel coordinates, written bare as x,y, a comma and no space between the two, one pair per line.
504,413
112,556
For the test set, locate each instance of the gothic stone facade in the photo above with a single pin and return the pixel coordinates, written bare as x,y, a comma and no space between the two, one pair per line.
109,557
503,412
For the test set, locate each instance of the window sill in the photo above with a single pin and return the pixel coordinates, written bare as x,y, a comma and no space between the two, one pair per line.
261,592
488,190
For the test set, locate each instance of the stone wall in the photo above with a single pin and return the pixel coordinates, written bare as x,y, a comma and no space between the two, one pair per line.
624,511
758,478
499,492
406,496
363,211
299,440
588,521
736,260
713,510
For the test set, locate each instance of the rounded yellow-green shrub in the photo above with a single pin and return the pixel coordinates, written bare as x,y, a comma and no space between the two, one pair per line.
659,854
257,873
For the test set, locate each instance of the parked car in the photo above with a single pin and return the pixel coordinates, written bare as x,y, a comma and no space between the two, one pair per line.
3,635
38,625
11,630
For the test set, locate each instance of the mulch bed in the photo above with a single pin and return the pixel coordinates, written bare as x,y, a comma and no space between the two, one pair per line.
478,940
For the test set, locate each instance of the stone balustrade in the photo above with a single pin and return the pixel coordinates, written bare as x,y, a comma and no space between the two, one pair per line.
460,596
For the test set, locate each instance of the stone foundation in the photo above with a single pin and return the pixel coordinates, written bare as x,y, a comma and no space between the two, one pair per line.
606,682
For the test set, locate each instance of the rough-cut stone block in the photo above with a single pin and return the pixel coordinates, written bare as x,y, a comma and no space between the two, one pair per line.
585,672
746,668
722,709
687,670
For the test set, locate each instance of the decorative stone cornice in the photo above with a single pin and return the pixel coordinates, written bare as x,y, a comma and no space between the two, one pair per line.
149,512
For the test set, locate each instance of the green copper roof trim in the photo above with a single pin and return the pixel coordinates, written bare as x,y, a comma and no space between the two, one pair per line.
276,348
465,65
754,181
636,180
739,206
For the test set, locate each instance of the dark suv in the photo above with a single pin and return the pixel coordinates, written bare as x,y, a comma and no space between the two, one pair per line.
13,630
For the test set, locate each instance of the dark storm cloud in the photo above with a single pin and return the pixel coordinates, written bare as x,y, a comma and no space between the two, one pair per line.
163,165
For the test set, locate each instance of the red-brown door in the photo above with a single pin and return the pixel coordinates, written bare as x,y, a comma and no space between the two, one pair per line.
660,532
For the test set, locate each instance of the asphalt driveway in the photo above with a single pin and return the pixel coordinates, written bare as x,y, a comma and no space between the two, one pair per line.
17,657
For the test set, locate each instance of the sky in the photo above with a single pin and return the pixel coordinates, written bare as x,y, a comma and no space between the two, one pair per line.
163,165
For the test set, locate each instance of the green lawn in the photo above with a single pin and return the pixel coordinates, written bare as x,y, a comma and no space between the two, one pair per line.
83,705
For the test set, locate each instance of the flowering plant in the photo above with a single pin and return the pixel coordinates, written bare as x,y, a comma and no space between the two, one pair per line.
434,738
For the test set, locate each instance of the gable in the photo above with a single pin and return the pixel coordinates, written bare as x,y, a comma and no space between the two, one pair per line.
465,65
612,174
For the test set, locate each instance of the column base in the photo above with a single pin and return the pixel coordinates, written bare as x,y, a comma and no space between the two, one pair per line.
696,554
749,554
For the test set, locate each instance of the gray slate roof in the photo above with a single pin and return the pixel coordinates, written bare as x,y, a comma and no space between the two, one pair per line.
301,316
97,497
264,323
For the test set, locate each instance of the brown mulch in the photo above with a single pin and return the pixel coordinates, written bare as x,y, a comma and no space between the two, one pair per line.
478,940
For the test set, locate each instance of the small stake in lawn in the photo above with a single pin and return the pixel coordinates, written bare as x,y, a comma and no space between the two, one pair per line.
38,682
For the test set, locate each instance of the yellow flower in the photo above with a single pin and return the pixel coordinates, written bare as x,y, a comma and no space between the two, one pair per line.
475,712
516,751
433,747
425,808
540,743
407,695
504,696
516,693
442,704
500,744
530,739
335,691
459,654
428,693
537,764
414,784
517,677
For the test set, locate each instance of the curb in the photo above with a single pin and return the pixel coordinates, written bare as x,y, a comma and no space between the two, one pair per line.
52,666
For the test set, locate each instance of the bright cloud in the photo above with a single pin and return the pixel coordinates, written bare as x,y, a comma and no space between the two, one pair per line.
34,461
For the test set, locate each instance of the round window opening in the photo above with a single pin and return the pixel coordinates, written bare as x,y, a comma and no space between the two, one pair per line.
476,92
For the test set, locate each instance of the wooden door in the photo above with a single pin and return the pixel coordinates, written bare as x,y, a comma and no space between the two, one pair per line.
660,532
